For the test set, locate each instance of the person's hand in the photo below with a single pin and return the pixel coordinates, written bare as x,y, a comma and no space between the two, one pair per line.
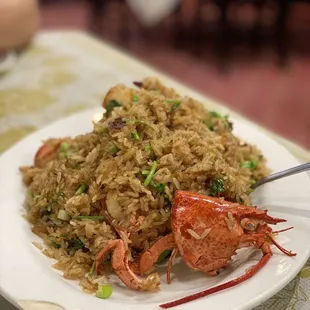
19,20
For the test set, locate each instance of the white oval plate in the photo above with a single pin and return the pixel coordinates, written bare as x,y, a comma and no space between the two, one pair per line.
26,274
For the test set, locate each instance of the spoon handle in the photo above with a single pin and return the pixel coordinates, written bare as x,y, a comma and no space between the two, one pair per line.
283,174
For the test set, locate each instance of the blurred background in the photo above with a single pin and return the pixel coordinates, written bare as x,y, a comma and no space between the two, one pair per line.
251,55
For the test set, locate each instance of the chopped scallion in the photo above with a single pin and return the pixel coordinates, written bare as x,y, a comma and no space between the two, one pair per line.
174,101
148,148
135,135
135,98
64,147
151,174
92,269
104,291
217,186
110,106
90,217
82,189
113,149
250,164
160,187
145,172
63,215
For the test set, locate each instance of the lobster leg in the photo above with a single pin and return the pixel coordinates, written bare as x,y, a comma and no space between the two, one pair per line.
265,247
122,269
170,262
150,257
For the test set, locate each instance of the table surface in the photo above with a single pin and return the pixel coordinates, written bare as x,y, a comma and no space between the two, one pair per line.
61,73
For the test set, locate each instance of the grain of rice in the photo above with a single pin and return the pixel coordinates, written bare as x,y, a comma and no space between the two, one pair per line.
205,233
193,234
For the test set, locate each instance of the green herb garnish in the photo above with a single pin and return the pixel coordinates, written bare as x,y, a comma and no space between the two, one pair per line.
145,172
90,217
110,106
148,148
55,245
217,186
151,174
250,164
104,291
135,98
75,244
135,135
93,268
82,189
163,256
160,187
134,121
63,150
175,103
113,149
210,121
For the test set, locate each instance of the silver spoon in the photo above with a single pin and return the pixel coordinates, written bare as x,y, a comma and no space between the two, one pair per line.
283,174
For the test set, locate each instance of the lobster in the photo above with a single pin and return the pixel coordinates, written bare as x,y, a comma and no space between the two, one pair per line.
207,232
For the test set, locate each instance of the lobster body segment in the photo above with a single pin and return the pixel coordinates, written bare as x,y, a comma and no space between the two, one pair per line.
209,230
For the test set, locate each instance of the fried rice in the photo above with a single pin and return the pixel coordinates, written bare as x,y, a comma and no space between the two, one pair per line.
119,180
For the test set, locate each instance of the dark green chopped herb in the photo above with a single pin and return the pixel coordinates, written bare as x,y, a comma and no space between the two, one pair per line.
75,244
90,217
151,174
148,148
160,187
61,194
55,245
250,164
217,186
110,106
135,135
82,189
135,98
210,121
113,149
163,256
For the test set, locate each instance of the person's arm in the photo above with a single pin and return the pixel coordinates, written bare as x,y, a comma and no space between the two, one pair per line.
19,20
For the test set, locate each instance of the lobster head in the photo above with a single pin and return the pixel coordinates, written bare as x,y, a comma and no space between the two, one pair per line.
209,230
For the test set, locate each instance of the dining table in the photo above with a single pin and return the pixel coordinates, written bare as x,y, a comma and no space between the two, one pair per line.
63,72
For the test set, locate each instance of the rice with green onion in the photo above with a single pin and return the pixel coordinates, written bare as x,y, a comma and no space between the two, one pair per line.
122,176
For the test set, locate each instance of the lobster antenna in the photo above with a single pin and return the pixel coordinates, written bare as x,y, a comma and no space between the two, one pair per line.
288,253
249,274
